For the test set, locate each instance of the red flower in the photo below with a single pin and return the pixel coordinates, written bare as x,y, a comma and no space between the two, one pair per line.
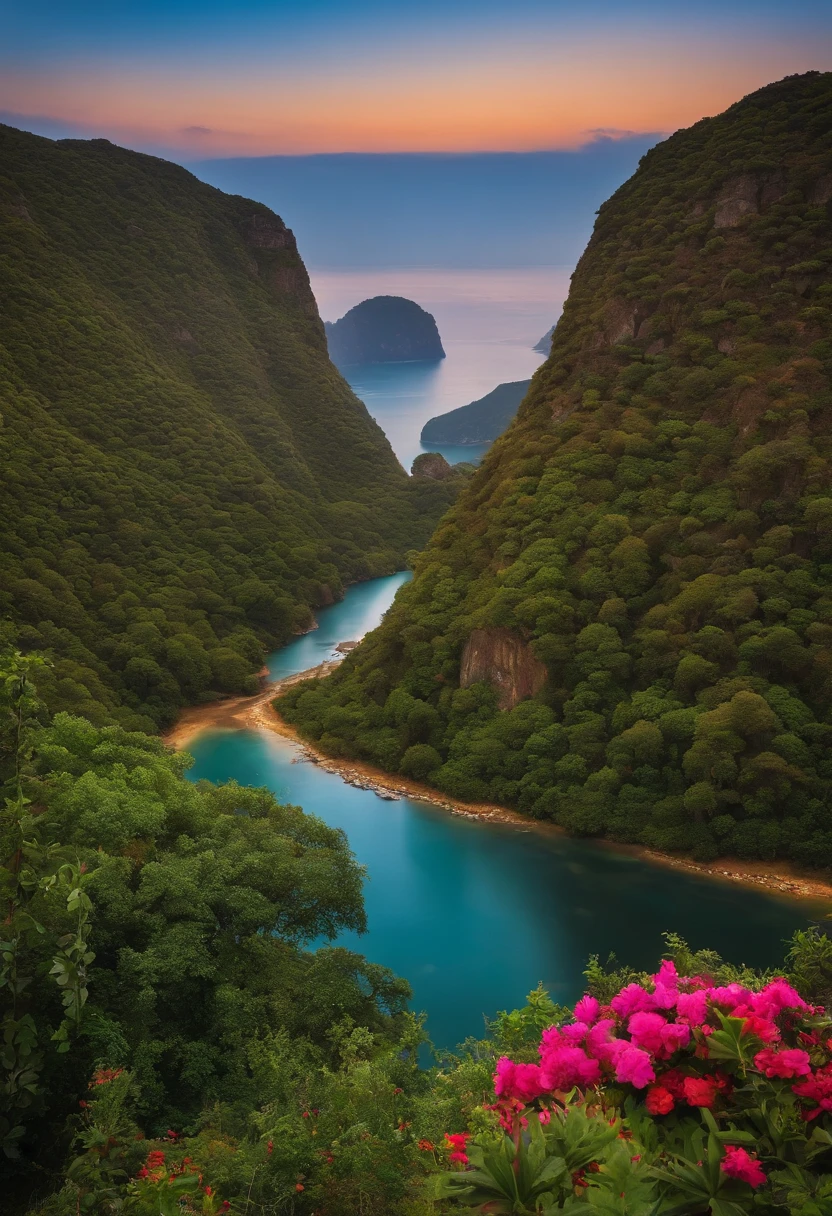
817,1088
299,1187
792,1062
426,1146
701,1091
659,1101
674,1081
269,1147
457,1141
761,1027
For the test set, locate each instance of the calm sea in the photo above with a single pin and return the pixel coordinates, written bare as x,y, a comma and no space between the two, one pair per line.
489,321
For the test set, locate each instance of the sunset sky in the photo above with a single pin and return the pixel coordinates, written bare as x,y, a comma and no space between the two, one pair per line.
215,78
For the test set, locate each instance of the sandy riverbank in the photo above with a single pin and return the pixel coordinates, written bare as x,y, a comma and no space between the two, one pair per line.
257,712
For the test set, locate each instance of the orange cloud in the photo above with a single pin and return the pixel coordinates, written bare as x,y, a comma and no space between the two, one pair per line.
545,96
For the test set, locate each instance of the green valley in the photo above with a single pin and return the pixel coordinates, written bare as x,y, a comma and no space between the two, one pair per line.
625,623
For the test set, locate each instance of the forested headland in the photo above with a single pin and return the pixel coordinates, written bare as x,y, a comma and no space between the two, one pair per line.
185,475
625,623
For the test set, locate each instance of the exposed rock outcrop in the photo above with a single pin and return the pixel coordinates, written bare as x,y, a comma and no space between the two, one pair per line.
505,661
276,258
432,465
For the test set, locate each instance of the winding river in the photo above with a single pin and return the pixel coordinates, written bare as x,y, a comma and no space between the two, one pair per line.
475,914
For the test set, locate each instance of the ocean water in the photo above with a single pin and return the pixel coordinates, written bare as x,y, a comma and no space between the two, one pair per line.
473,914
489,321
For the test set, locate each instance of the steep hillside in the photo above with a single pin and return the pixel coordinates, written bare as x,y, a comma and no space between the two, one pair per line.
385,329
480,421
184,472
625,624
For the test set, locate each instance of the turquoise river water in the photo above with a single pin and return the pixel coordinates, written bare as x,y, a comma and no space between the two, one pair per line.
475,914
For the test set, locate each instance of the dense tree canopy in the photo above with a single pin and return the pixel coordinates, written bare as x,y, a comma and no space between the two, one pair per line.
160,925
184,472
655,527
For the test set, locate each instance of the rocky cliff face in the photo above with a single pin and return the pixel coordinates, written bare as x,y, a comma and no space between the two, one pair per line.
503,660
277,260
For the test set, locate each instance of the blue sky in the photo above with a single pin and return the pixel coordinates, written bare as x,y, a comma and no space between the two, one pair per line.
256,78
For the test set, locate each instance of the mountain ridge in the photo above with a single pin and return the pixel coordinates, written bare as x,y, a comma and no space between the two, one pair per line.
185,473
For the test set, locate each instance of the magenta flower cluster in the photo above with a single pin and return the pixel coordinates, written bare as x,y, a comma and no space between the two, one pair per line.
654,1037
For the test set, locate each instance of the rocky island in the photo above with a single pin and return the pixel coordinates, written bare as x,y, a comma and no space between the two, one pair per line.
384,329
480,421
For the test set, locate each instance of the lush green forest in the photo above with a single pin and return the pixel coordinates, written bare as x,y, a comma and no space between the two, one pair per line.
653,533
184,473
172,1047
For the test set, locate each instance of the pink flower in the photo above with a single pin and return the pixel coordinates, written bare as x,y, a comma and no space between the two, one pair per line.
792,1062
674,1037
817,1088
692,1007
774,998
552,1037
659,1101
599,1040
646,1031
666,985
523,1081
632,999
564,1067
730,996
667,974
737,1163
633,1065
663,997
575,1032
586,1010
545,1116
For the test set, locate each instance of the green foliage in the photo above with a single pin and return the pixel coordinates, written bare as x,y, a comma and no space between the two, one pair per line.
46,928
184,473
162,926
655,527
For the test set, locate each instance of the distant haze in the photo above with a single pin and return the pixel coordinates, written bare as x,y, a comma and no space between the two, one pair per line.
477,210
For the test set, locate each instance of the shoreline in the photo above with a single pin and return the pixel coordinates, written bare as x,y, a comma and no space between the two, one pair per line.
256,711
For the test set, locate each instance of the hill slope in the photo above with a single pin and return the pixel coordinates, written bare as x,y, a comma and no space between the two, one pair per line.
184,472
625,623
385,329
480,421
